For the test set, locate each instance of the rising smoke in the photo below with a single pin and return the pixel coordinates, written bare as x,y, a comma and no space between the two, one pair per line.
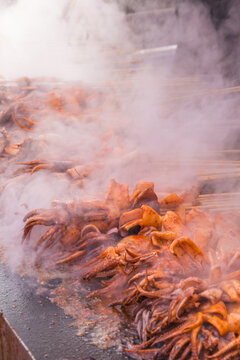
63,39
91,43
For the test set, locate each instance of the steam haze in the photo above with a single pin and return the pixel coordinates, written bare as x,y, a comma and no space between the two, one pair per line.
59,38
90,43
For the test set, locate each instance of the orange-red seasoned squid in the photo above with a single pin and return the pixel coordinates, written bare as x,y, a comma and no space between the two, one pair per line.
159,264
67,220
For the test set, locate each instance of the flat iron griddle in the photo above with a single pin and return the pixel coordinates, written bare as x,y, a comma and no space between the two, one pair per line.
41,325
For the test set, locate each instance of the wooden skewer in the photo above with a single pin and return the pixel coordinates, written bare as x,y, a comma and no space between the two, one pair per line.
220,172
233,151
218,197
214,92
220,207
197,162
205,196
220,204
220,177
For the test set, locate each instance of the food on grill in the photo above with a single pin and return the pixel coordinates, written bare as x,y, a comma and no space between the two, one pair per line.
155,257
17,116
167,274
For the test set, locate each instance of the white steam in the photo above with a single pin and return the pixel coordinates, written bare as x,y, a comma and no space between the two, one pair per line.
141,129
58,38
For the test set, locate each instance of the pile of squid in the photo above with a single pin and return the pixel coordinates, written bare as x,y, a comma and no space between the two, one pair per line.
161,266
28,141
153,257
